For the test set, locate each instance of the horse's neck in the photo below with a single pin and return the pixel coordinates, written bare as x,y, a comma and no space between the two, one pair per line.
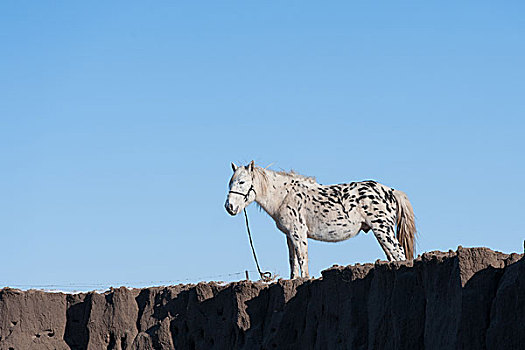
272,197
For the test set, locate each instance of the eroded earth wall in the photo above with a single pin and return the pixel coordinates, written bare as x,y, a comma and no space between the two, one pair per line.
473,298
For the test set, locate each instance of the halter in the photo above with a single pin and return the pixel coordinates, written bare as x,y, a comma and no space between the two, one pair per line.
245,195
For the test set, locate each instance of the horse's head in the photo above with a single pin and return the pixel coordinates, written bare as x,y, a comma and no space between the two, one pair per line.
242,191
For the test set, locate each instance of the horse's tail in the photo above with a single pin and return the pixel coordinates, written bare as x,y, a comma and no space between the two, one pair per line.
406,226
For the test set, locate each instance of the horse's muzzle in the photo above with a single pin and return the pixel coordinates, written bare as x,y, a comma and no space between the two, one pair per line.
229,208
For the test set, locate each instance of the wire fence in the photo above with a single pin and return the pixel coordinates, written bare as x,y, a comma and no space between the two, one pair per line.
82,286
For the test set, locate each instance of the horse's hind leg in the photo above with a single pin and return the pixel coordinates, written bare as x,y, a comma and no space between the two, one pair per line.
387,240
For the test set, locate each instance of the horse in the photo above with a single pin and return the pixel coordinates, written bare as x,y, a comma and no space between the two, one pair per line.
303,208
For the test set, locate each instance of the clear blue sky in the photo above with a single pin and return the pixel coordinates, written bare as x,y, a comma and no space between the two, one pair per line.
119,121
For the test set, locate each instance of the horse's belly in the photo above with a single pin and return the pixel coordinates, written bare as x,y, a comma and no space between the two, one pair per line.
333,234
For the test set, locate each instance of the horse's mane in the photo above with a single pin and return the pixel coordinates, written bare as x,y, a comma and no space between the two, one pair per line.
262,174
263,178
295,175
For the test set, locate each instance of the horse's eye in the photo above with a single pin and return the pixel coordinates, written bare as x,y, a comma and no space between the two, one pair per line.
241,182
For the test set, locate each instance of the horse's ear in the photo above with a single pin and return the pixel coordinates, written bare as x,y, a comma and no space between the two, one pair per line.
234,167
251,166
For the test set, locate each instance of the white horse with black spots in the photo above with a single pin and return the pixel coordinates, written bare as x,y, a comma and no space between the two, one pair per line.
303,209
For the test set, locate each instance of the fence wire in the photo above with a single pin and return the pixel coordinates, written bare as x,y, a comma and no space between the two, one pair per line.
75,286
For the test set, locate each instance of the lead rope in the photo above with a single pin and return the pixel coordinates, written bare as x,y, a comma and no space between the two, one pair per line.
265,276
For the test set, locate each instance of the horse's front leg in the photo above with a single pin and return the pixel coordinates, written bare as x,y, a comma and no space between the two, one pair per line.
299,241
296,237
294,263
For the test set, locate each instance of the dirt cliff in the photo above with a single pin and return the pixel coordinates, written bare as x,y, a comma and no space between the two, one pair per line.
473,298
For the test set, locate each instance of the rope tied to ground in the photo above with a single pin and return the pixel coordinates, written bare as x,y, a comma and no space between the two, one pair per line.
267,275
